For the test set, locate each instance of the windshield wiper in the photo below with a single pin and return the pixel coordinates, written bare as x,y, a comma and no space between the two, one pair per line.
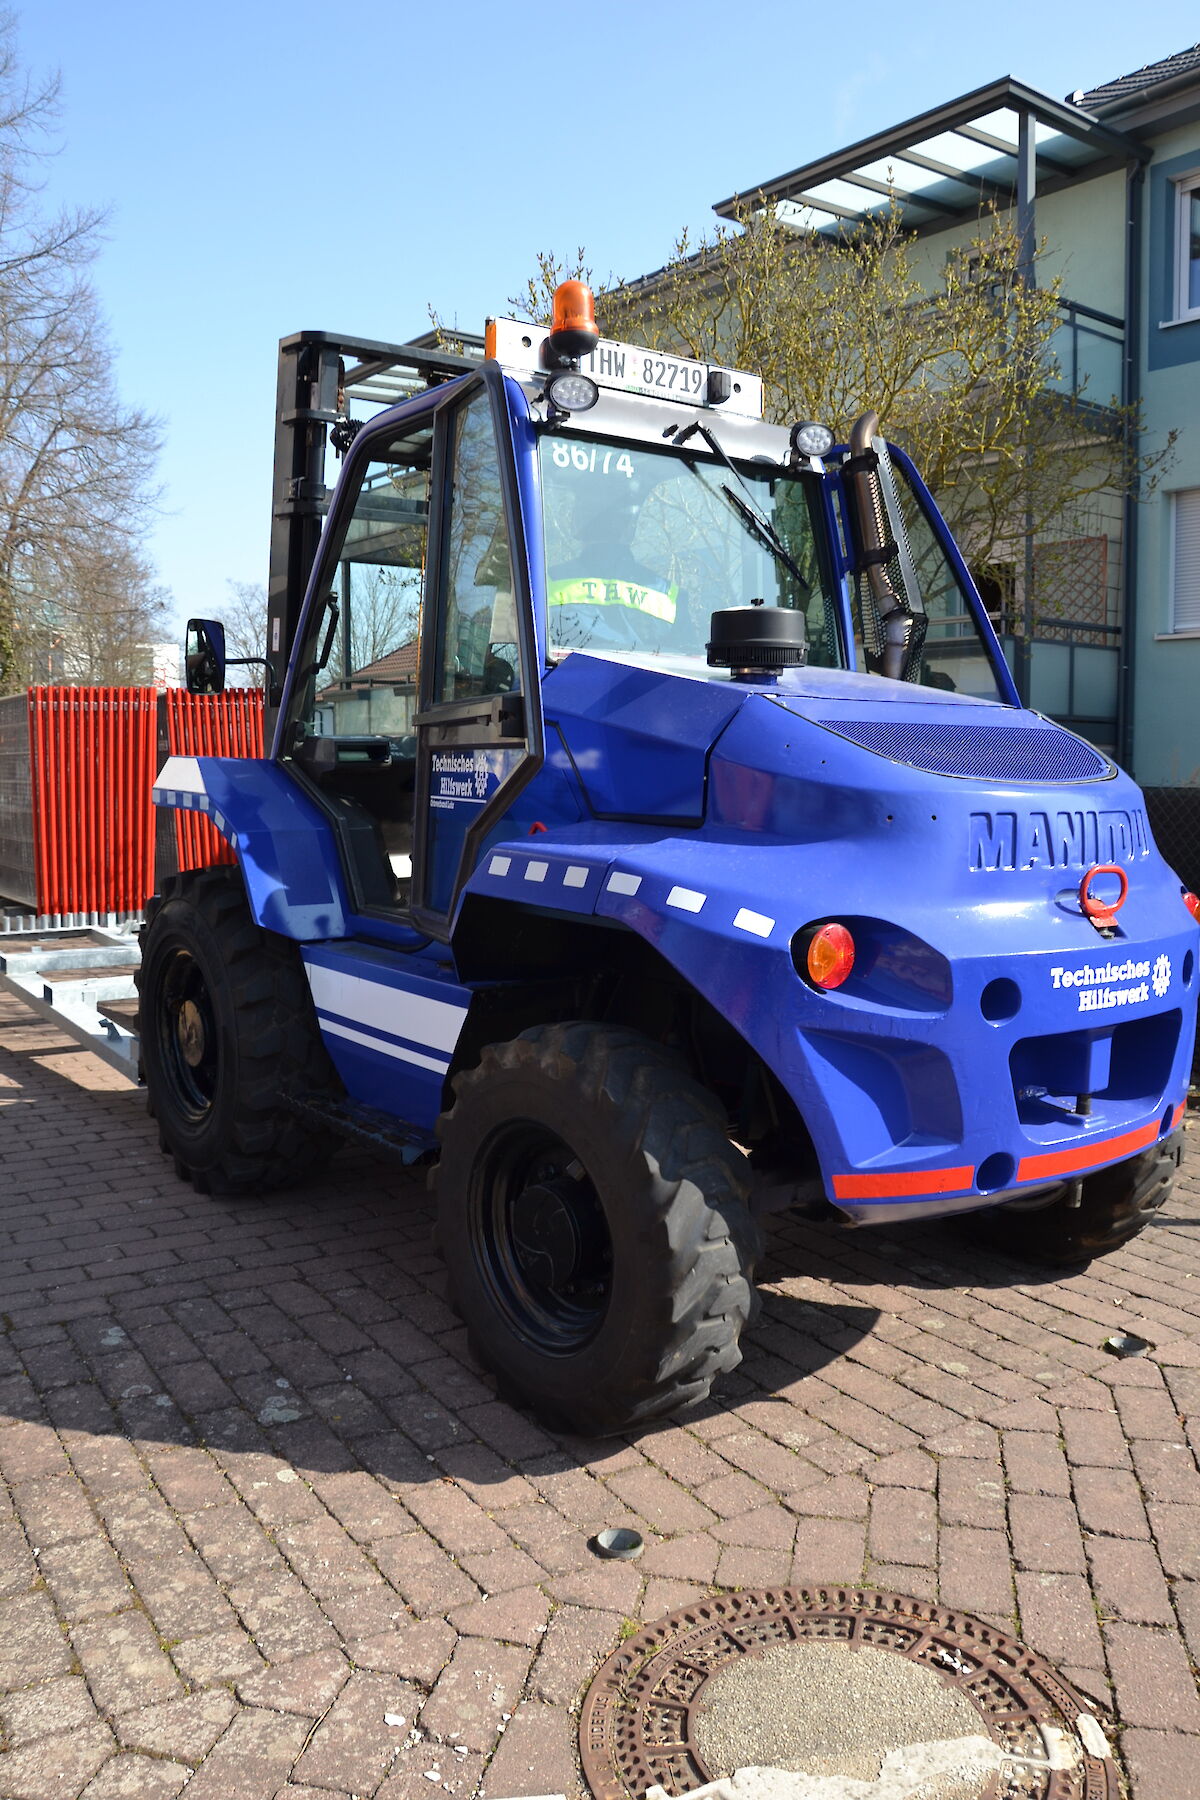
765,535
747,508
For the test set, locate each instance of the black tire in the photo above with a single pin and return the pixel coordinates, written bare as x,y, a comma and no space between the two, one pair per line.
592,1216
227,1028
1115,1205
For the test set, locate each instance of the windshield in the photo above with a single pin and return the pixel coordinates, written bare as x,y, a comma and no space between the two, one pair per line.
644,545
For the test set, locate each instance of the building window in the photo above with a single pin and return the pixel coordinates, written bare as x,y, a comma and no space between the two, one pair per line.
1185,560
1187,248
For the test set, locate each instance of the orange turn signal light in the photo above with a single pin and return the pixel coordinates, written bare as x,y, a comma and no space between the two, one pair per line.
1191,901
830,956
574,331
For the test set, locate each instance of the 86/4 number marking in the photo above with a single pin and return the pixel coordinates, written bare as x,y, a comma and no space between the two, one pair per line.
582,456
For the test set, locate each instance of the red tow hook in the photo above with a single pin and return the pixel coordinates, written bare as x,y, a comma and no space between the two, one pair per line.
1102,913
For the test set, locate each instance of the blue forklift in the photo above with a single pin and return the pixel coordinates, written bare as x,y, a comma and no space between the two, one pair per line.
651,834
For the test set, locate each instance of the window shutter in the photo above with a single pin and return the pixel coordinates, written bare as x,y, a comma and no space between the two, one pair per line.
1185,599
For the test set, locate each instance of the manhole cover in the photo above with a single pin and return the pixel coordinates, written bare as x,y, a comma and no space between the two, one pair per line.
831,1681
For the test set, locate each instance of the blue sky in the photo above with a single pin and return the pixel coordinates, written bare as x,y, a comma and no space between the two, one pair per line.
271,166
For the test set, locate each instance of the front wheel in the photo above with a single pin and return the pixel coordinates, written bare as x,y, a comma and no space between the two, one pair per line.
1116,1203
593,1219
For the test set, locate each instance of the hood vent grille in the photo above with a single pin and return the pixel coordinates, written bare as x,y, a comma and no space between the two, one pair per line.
992,753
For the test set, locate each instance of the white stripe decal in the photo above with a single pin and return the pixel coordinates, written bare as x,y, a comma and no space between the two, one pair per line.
687,899
435,1023
500,865
576,876
396,1050
624,884
182,774
758,923
536,871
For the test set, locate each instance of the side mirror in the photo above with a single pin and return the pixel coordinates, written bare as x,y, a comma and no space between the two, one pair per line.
204,658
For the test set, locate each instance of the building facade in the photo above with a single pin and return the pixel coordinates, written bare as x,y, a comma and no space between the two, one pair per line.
1101,620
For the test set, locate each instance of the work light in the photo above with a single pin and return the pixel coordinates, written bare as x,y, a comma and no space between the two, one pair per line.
570,392
811,439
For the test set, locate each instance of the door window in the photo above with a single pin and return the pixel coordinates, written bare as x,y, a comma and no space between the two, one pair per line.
473,738
354,712
477,639
369,684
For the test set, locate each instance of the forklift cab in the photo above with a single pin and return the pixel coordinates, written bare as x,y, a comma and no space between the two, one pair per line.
412,707
409,709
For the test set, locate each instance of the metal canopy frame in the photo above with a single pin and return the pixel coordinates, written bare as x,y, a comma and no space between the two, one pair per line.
320,374
1054,146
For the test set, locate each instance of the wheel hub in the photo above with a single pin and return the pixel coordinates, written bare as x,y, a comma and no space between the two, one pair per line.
185,1033
547,1238
189,1029
540,1237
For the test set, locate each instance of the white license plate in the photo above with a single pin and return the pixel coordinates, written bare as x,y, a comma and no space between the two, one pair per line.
638,371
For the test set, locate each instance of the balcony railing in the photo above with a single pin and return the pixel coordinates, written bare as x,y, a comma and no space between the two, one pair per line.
1073,675
1090,346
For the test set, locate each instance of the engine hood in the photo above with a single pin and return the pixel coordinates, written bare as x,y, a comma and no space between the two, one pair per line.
640,739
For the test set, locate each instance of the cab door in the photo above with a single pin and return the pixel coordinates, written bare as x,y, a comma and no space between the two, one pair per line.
479,729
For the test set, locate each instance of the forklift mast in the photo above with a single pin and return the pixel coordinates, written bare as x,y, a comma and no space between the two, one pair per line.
321,375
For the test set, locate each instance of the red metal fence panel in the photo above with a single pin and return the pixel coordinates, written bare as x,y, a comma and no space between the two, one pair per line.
92,765
89,819
228,724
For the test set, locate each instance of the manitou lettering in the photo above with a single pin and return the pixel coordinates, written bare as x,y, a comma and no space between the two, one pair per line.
1075,839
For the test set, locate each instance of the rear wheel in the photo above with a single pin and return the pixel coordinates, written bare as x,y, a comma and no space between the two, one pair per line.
1115,1205
592,1215
227,1029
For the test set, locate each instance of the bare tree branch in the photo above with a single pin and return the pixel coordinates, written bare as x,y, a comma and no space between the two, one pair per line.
76,466
960,365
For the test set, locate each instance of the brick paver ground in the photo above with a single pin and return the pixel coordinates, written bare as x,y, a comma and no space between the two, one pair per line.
267,1530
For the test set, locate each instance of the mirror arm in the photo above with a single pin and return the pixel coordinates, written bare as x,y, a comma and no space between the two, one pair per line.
274,690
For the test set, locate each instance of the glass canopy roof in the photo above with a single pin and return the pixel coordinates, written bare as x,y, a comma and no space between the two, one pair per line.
947,164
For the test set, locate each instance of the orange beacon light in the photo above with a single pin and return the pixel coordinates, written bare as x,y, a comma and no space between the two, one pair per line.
574,332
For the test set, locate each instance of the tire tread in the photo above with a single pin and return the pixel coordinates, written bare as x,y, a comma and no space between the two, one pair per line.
279,1048
706,1240
1116,1204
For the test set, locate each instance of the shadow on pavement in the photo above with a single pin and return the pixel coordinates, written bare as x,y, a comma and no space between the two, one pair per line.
311,1325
